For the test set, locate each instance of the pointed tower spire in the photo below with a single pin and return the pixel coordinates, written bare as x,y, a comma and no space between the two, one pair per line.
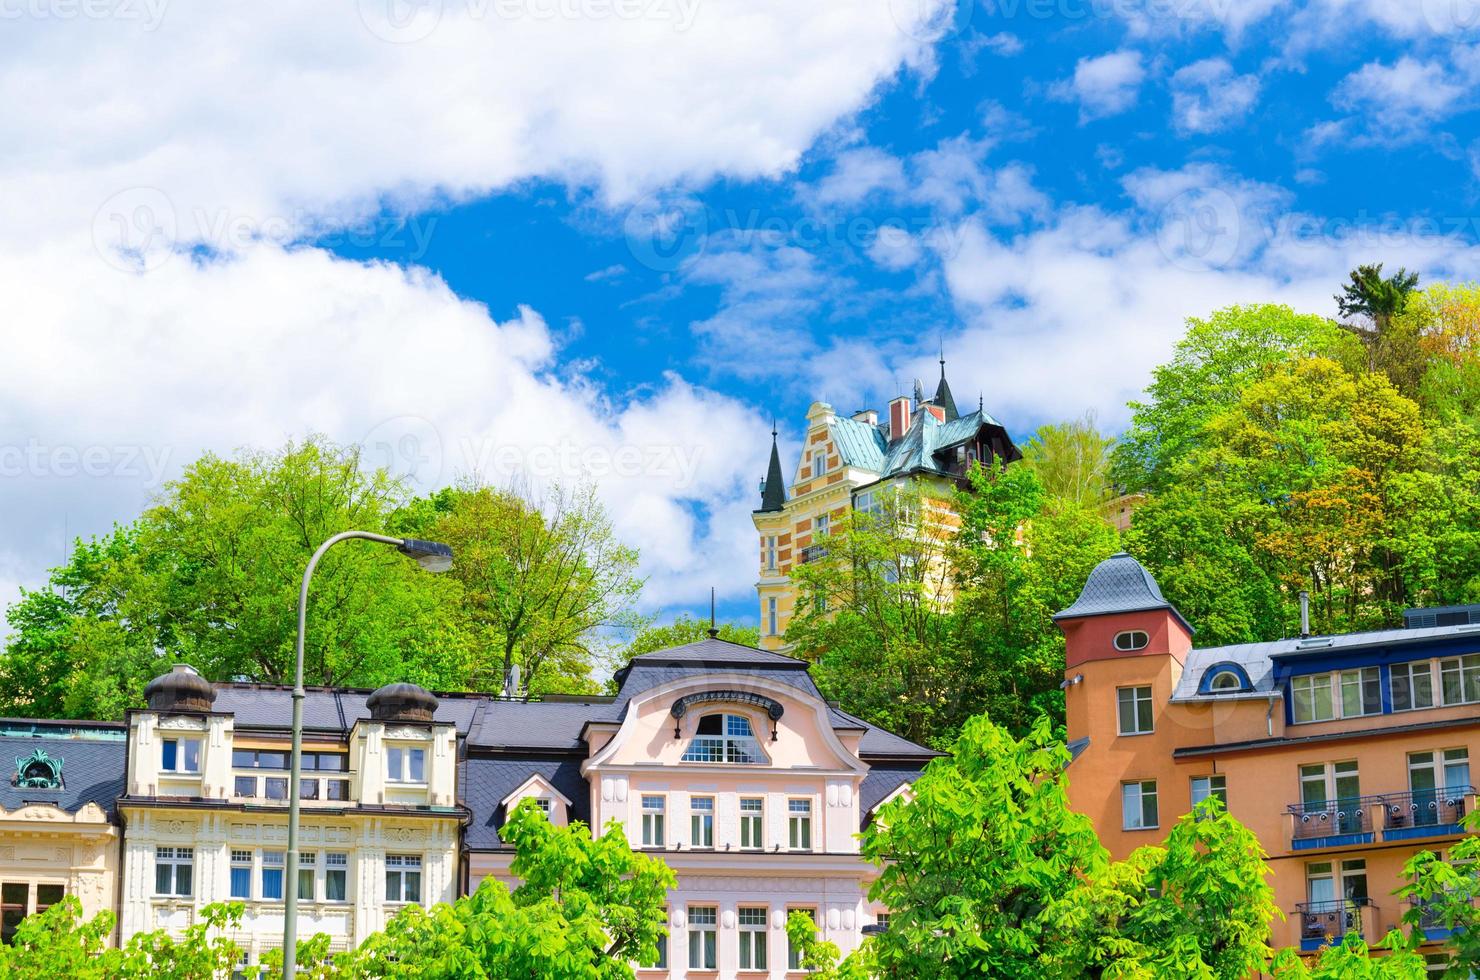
713,629
773,491
943,391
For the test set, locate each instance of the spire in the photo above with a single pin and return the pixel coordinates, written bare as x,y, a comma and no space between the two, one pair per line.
943,392
773,490
713,629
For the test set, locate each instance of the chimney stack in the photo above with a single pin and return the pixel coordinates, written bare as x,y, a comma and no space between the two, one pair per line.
899,417
1304,613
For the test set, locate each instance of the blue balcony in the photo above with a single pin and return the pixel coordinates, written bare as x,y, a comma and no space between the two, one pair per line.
1333,823
1427,813
1325,923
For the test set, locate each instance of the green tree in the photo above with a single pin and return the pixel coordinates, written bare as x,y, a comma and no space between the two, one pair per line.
651,636
540,578
209,575
1210,367
1071,460
586,908
1445,892
60,943
1391,340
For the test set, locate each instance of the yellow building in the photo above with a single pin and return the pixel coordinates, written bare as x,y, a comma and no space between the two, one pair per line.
1344,754
846,463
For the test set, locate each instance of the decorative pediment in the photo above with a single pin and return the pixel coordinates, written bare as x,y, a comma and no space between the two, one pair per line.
535,785
38,771
774,709
407,732
182,723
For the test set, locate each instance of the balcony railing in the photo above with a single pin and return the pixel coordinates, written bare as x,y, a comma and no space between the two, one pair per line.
1424,813
1332,818
1323,922
815,552
1339,823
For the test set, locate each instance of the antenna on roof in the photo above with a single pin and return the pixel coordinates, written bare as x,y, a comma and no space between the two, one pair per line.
713,630
981,403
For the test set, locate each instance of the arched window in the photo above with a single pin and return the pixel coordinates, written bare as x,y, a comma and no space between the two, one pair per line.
1131,640
723,738
1224,678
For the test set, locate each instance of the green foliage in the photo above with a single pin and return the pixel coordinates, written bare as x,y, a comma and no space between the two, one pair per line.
209,575
1071,460
1448,891
650,636
587,908
539,579
58,942
1369,295
1352,959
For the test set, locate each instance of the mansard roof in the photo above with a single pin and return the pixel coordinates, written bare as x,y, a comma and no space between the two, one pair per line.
92,764
1119,584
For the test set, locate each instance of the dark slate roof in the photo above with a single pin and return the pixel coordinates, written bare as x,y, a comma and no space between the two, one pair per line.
486,782
92,771
943,396
877,741
263,706
540,725
773,493
717,652
883,780
1119,585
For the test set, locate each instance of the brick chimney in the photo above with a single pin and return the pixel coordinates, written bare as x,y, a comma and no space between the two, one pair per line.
899,417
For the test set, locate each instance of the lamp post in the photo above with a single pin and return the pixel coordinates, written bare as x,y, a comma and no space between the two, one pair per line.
429,555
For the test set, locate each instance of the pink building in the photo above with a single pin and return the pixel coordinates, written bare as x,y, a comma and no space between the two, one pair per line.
725,760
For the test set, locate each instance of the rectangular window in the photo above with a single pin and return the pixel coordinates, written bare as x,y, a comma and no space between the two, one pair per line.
1138,805
336,789
824,526
245,786
752,819
819,462
403,877
653,810
1312,698
752,923
799,824
405,765
794,955
48,895
336,877
174,871
1361,692
308,863
1135,710
661,962
771,616
701,817
180,755
273,863
1206,786
1413,685
241,874
1459,679
770,552
277,787
703,937
13,898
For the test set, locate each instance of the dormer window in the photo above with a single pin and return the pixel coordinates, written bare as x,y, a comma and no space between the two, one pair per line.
180,755
1225,680
723,738
1129,641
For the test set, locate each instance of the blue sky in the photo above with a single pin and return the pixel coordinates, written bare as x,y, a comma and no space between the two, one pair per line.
556,240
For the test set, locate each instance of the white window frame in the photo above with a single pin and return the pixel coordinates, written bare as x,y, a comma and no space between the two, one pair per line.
404,868
770,552
654,816
1412,671
794,955
733,746
752,823
241,859
1466,672
1136,700
336,863
399,766
701,822
272,861
1217,686
1131,645
750,922
183,746
1136,791
703,937
1214,784
1360,675
1309,686
771,619
175,858
799,823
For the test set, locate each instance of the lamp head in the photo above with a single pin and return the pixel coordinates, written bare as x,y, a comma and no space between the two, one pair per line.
430,555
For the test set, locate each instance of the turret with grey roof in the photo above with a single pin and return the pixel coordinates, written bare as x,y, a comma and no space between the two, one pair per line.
1119,584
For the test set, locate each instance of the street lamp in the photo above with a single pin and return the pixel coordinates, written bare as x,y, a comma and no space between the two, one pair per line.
429,555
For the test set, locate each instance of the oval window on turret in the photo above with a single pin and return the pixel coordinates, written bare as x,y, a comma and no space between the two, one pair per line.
1131,640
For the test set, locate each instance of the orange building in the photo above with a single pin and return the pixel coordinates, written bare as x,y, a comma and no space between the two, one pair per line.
1344,754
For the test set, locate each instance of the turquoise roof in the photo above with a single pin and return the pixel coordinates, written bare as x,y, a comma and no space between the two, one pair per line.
864,446
859,444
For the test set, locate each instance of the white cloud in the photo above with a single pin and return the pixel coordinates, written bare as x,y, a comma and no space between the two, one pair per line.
1208,96
1231,17
856,174
1104,86
895,248
127,142
1407,88
1403,18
